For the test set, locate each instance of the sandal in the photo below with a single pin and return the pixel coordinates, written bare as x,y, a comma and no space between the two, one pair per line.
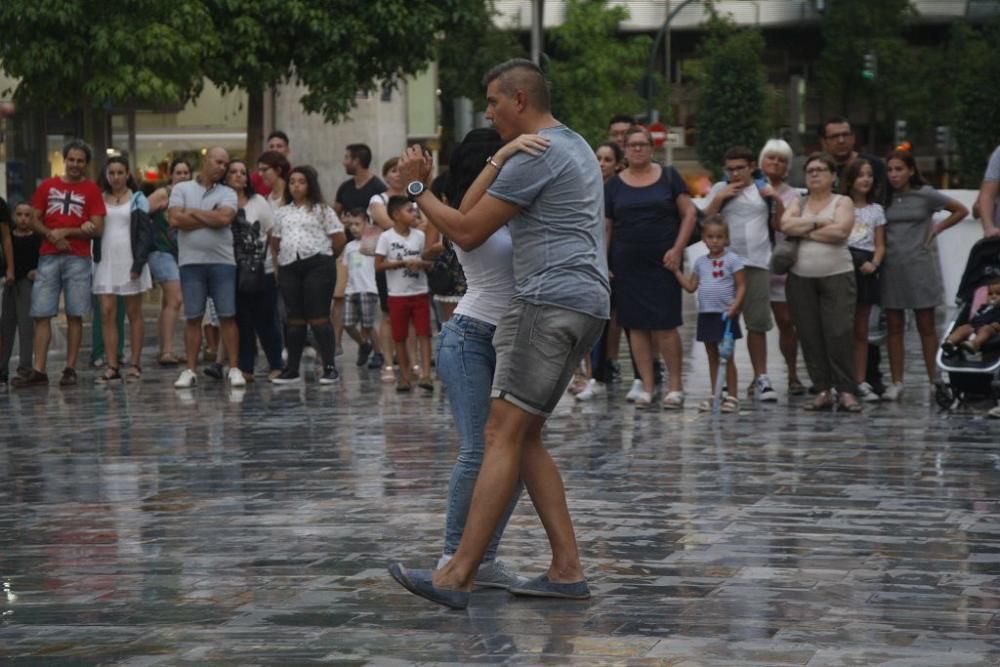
643,400
674,400
705,406
796,388
134,373
849,403
110,375
823,401
169,360
730,404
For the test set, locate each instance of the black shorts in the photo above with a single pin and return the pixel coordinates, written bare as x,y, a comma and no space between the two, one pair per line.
711,328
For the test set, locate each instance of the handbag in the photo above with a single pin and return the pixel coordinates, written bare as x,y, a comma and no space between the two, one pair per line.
249,250
445,276
784,255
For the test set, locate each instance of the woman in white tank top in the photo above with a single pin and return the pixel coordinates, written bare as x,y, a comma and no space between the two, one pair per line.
820,287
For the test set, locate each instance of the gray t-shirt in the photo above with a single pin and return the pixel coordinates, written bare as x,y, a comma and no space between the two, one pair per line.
558,236
204,246
993,174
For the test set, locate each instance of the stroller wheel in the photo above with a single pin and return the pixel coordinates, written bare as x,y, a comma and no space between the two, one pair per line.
944,395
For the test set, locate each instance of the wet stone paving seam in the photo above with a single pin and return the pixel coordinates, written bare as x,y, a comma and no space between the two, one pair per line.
142,525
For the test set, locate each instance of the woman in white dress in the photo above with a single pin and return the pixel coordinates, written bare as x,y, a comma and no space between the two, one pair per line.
120,262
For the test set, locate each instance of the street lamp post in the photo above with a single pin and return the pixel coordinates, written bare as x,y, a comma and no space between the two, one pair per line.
664,30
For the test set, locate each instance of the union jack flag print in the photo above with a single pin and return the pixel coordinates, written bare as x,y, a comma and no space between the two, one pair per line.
65,203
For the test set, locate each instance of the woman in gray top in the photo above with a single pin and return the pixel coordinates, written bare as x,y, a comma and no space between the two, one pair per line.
911,274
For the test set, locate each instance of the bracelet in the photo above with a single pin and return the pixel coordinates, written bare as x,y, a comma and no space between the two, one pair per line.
490,161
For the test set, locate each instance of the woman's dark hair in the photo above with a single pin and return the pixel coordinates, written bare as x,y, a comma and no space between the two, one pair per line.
248,189
276,161
821,156
103,179
178,161
314,195
615,148
852,173
468,160
917,179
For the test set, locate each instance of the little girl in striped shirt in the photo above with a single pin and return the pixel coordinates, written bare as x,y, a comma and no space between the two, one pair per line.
719,280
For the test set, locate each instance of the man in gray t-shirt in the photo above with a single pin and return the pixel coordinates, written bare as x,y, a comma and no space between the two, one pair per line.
989,212
202,210
551,194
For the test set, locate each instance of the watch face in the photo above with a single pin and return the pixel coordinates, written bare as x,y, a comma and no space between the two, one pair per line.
415,188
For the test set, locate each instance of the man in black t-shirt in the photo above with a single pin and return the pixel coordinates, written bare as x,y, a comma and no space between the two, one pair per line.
356,192
837,138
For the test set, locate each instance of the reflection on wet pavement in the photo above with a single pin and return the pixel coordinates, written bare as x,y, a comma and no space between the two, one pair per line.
146,526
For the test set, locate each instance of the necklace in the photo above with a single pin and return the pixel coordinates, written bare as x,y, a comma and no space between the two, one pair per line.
118,199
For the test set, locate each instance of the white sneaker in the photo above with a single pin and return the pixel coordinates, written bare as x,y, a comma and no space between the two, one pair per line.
866,394
592,388
188,378
236,378
994,412
765,392
893,392
634,393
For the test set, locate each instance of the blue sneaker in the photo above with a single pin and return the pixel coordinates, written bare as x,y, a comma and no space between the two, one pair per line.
420,582
541,587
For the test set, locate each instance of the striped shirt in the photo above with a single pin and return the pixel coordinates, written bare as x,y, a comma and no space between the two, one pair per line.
716,286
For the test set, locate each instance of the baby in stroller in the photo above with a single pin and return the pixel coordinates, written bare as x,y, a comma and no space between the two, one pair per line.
984,325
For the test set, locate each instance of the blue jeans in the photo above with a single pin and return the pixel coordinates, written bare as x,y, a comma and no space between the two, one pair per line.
465,363
201,281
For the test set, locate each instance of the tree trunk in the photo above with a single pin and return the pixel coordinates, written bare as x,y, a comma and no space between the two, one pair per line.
255,123
97,133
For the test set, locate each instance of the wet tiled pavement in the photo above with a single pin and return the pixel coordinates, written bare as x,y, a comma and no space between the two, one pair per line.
145,526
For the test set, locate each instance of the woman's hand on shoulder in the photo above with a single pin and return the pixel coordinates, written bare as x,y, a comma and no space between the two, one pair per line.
532,144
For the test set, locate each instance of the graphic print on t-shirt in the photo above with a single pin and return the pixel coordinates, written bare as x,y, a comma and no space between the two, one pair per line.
65,202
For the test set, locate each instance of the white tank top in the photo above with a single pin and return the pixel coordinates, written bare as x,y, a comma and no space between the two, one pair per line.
819,260
489,274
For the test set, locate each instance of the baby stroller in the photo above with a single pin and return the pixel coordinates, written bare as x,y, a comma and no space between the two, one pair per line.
972,378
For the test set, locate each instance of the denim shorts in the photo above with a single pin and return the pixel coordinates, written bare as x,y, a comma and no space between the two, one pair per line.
68,274
200,281
538,349
163,267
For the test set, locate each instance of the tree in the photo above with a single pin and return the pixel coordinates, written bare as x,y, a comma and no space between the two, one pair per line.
732,92
94,56
334,48
974,64
594,72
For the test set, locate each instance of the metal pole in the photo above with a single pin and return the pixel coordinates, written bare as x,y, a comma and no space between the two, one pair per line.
537,16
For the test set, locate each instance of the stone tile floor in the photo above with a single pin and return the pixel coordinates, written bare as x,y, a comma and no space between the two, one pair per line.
145,526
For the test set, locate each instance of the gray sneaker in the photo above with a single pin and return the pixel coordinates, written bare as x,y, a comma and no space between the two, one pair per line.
496,574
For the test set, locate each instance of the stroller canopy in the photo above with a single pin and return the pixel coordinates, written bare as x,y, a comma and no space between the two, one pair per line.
982,267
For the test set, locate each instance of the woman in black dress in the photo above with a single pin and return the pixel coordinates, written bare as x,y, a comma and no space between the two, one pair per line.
650,216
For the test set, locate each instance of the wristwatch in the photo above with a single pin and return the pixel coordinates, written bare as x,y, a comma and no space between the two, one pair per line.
415,189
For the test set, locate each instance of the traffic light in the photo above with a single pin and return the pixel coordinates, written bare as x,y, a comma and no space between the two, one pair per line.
942,137
900,132
870,68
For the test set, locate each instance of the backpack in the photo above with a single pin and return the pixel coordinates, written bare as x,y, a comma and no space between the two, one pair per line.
249,251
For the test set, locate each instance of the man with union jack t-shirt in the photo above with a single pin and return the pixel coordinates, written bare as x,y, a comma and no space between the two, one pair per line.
69,212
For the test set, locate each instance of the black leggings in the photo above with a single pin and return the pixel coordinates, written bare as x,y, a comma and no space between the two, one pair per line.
307,287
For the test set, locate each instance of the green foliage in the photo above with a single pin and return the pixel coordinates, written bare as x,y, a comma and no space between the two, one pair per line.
468,50
733,99
334,48
974,66
70,55
594,72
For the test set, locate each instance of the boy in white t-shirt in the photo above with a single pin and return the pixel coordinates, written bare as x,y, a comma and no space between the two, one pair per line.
398,254
361,294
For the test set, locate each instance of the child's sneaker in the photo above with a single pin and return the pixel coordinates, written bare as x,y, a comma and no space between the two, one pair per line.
364,350
593,388
330,375
635,392
765,392
893,392
376,361
867,394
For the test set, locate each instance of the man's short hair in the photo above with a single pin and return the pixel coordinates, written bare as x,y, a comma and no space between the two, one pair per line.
621,118
739,153
78,145
832,120
397,202
278,134
361,153
520,74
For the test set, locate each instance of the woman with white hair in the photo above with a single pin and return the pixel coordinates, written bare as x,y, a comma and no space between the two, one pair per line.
775,160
